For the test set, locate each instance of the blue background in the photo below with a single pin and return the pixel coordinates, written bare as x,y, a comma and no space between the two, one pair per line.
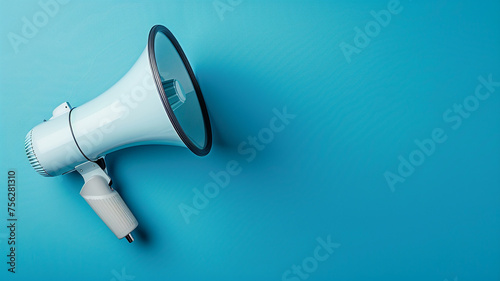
321,176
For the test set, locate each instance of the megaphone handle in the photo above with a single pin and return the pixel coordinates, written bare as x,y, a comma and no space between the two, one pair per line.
106,202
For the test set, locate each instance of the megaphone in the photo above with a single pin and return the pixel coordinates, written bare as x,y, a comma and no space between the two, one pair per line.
158,101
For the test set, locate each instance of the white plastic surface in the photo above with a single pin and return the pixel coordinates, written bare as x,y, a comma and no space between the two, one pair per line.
61,109
109,206
53,147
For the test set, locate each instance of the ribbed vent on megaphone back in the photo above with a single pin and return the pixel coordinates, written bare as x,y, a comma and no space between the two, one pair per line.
28,146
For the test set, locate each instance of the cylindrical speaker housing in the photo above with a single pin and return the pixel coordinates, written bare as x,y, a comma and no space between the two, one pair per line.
51,148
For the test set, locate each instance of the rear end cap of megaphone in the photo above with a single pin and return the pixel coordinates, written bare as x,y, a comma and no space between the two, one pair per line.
30,153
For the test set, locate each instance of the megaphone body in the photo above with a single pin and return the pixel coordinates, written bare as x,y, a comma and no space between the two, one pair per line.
158,101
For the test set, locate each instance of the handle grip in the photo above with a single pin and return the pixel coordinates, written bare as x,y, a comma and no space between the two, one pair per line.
109,206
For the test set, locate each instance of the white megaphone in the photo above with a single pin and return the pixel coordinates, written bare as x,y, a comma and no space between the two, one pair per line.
157,102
